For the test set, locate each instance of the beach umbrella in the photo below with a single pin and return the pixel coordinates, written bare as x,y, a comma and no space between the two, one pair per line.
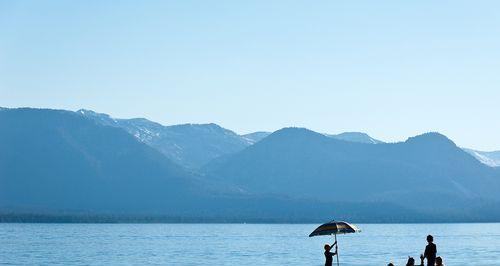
335,228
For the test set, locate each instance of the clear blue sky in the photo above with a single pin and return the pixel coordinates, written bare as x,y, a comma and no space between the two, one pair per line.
392,69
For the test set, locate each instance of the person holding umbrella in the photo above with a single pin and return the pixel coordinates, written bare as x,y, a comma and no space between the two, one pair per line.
333,228
329,255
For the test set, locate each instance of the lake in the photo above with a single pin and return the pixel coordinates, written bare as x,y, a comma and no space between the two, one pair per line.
239,244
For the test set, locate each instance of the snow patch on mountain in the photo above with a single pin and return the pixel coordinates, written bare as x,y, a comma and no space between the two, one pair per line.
491,159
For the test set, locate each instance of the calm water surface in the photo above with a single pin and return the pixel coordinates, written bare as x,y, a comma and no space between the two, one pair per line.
239,244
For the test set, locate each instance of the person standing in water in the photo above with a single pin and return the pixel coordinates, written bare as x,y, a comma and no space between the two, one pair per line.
430,251
329,255
410,262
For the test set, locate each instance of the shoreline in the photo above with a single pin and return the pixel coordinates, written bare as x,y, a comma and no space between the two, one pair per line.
38,218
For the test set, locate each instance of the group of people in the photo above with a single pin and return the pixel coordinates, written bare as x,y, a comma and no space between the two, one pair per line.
429,254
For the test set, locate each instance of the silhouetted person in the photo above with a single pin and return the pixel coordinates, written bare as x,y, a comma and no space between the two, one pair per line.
410,262
439,261
430,251
329,255
390,264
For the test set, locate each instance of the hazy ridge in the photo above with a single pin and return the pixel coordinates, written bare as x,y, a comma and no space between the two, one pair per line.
57,164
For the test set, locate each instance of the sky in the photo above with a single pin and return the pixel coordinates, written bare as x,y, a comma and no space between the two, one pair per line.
392,69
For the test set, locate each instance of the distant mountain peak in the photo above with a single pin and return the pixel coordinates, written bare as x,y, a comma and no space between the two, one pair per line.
104,119
210,128
199,126
360,137
86,112
431,137
295,131
255,137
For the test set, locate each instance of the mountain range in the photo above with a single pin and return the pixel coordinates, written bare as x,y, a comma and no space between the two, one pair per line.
426,170
189,145
57,162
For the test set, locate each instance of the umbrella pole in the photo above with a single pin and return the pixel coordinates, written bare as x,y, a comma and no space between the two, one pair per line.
337,248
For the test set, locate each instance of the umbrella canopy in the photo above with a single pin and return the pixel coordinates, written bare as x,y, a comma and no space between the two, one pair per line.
334,228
